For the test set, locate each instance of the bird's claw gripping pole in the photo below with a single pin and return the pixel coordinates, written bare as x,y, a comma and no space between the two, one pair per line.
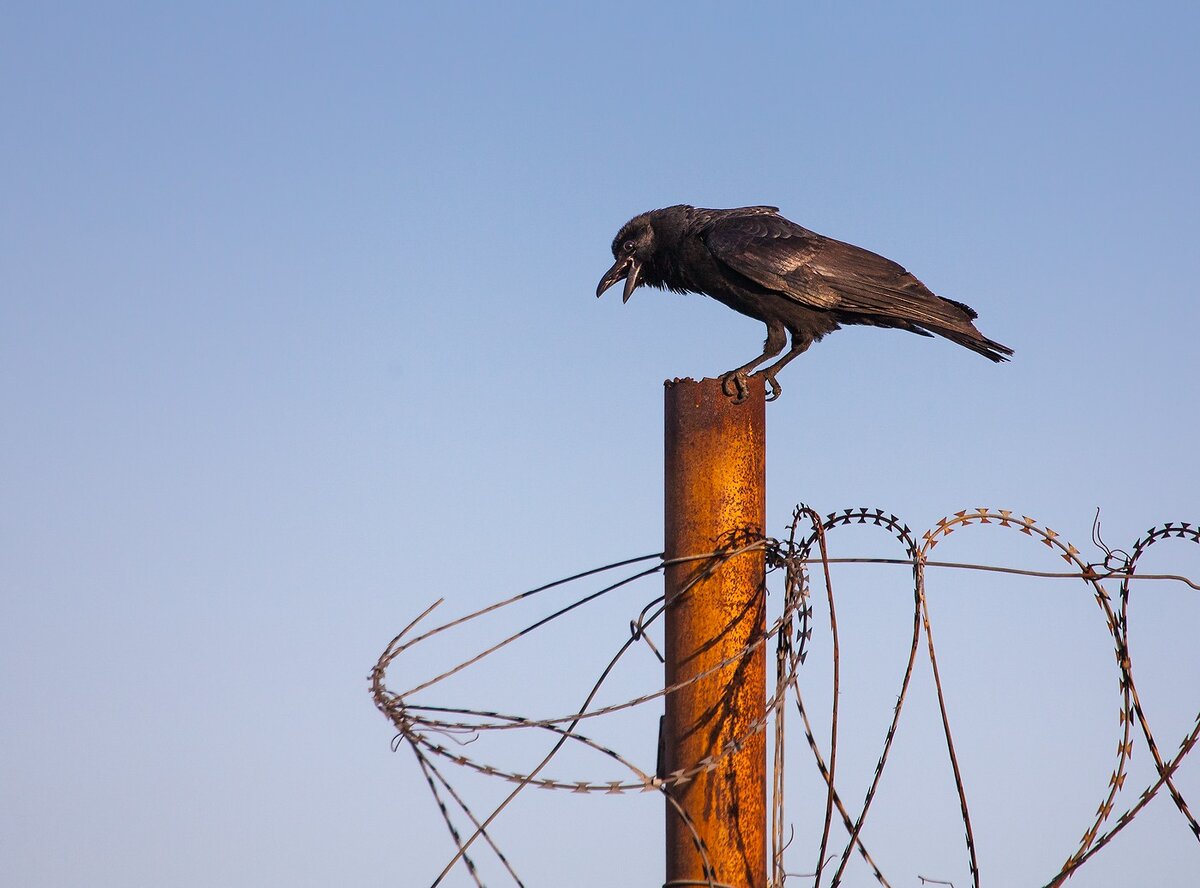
776,388
740,389
740,384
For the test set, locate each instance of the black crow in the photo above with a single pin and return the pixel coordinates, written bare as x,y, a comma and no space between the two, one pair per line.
793,280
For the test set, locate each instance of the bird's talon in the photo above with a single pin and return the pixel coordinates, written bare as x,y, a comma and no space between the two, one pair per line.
740,390
776,388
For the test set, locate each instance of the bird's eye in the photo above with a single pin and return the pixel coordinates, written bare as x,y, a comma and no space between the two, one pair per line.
630,246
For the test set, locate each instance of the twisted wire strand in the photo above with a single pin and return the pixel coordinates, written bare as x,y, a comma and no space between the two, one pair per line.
901,533
1133,707
525,780
430,770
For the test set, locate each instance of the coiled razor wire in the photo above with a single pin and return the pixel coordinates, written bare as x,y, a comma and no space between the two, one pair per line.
423,727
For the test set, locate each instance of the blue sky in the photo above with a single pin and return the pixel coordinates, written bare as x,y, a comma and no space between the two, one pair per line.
297,334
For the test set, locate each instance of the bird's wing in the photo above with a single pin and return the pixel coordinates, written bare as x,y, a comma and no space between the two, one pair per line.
823,273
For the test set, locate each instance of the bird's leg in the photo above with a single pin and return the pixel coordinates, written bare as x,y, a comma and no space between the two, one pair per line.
800,344
776,339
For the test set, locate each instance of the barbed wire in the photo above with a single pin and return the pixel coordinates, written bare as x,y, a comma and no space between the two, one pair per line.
430,729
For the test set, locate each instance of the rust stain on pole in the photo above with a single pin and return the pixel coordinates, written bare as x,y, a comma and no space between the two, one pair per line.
715,486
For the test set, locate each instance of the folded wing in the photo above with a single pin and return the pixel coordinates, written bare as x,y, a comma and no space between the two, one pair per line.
822,273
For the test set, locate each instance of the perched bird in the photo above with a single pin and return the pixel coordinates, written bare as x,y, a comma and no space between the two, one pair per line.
793,280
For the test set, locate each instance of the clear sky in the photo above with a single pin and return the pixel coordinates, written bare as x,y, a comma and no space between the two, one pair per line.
297,333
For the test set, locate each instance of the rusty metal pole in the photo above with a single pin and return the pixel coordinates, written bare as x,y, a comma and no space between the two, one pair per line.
715,487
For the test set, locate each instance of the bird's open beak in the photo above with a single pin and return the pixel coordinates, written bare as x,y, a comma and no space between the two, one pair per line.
627,268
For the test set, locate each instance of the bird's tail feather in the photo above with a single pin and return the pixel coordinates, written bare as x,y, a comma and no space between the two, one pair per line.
976,342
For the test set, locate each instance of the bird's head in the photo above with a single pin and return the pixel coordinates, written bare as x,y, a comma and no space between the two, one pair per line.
632,248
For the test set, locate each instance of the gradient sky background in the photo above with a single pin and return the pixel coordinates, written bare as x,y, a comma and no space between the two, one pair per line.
297,334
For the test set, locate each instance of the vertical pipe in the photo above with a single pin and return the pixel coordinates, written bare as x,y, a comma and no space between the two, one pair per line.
715,486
